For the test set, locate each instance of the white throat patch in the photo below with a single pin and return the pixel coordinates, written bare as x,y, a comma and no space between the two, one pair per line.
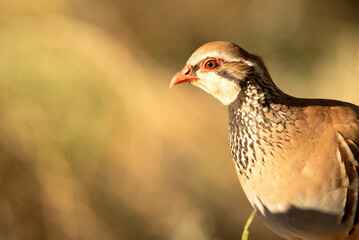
223,89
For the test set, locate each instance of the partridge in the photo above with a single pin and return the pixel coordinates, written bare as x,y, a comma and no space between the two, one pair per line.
296,159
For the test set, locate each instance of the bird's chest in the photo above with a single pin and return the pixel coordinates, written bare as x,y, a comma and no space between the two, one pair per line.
256,150
255,140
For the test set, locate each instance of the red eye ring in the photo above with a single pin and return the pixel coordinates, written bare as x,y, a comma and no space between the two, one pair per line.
210,64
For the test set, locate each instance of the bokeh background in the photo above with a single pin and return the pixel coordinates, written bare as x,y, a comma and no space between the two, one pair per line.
94,145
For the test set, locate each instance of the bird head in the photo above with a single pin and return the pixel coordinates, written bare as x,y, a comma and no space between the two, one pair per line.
221,69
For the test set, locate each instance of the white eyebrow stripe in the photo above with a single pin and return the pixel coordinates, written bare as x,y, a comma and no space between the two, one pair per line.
249,63
193,60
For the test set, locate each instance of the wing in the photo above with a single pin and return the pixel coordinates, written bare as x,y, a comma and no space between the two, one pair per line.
349,152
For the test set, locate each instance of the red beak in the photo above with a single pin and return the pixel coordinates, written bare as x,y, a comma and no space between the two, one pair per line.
182,77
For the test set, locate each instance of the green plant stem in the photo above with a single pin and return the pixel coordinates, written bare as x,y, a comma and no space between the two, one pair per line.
248,223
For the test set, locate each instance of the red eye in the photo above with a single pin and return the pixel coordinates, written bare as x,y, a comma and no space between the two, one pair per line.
210,64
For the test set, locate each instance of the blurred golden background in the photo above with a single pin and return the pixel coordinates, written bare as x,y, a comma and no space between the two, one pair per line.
94,145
